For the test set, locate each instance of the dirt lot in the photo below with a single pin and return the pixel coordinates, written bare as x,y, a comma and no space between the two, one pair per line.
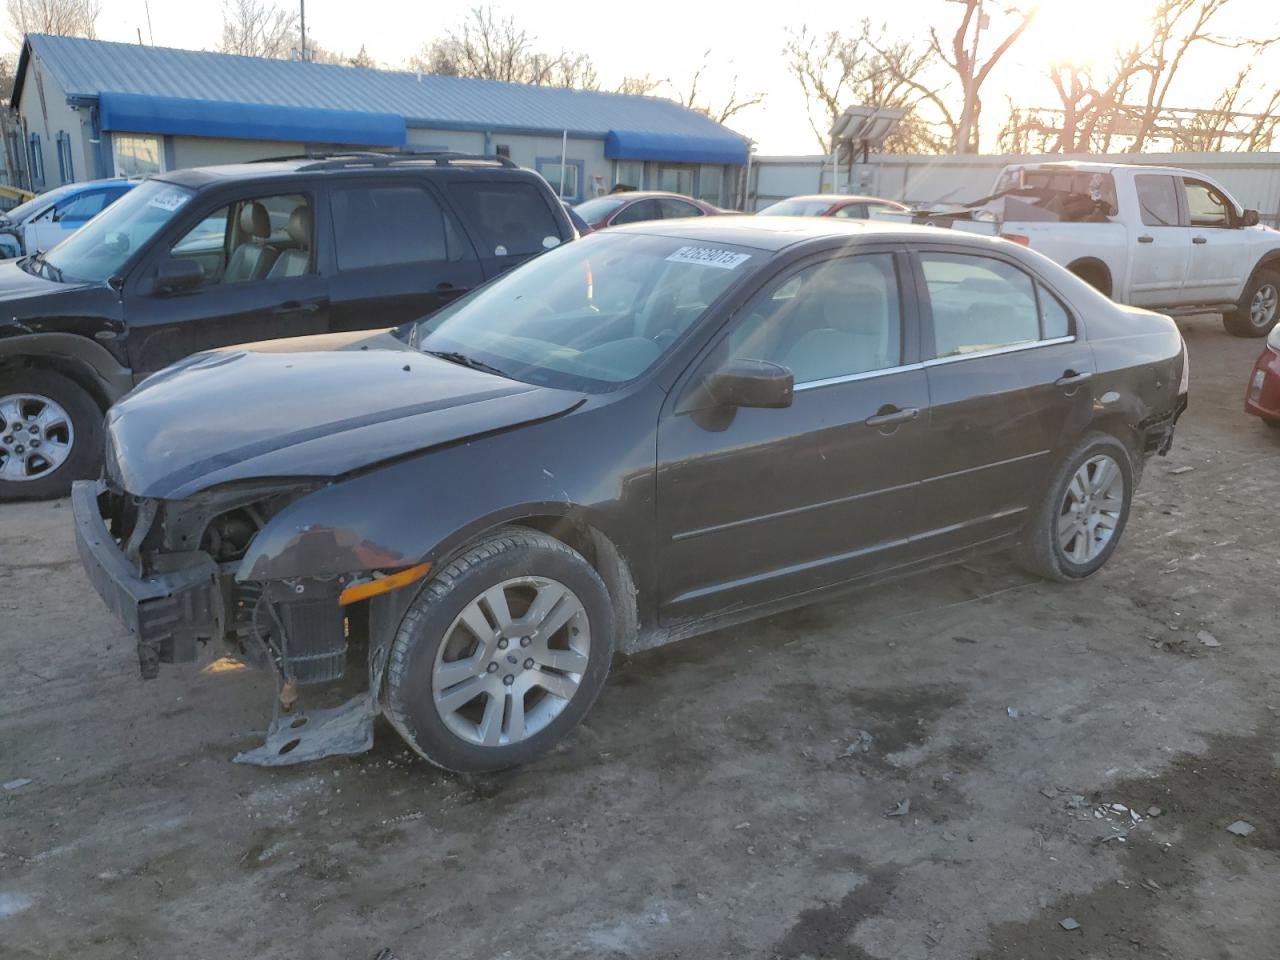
728,795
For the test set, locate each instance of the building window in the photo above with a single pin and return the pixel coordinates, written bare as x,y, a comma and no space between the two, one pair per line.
66,169
137,155
628,173
572,183
710,184
35,156
674,179
503,150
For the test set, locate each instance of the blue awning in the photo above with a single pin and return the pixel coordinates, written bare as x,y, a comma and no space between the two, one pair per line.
674,147
139,113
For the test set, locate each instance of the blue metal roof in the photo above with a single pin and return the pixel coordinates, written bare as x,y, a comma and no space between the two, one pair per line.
85,69
247,121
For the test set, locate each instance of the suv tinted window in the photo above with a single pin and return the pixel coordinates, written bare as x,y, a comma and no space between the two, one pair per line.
978,303
382,225
513,218
1158,198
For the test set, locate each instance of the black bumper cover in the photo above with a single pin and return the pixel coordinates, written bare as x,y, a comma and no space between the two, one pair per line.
168,612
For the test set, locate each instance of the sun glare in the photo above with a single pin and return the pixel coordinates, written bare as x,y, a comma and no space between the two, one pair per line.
1085,32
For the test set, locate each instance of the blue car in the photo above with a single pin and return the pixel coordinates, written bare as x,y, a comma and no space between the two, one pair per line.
43,222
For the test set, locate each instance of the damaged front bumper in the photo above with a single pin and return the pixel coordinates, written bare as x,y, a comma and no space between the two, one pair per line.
169,612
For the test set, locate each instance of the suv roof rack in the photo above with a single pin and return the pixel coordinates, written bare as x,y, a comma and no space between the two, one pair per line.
370,158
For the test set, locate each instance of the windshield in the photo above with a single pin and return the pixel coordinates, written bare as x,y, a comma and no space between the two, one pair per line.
796,208
599,208
99,249
588,315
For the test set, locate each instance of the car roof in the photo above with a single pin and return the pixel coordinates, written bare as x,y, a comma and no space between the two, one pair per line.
840,198
777,233
393,165
1086,166
648,194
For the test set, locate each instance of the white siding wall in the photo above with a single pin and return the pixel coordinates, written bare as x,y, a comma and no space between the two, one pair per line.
47,115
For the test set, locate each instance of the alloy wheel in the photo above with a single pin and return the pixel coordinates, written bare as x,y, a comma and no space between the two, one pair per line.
511,661
1091,509
1262,311
35,437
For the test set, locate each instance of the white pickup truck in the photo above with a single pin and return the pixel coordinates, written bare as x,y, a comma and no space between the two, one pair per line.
1158,237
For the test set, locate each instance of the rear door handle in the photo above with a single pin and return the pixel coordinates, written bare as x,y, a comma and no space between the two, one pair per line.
1146,239
297,306
893,416
1199,239
1071,379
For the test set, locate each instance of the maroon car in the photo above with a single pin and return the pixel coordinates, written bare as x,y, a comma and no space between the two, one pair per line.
832,205
635,206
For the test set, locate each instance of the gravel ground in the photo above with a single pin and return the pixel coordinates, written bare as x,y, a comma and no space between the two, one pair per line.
728,796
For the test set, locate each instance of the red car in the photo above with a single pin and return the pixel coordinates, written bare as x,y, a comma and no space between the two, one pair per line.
832,205
1263,397
635,206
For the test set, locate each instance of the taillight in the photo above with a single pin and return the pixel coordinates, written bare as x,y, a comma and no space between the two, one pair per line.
1018,238
1184,385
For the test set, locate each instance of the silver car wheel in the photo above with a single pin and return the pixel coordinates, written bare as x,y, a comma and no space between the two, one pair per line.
1091,509
511,661
1262,312
36,436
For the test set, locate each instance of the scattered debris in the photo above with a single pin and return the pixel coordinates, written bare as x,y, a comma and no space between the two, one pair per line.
1048,792
385,954
861,745
1208,639
1176,471
901,810
16,784
964,640
1012,711
743,825
1119,808
1069,923
1150,884
1241,828
1154,811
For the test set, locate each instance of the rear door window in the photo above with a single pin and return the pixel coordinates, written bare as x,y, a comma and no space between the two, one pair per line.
512,218
675,209
389,224
1158,199
979,303
639,212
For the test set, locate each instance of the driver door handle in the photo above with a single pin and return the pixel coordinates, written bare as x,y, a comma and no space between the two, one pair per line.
1146,239
297,306
1199,239
889,417
1070,378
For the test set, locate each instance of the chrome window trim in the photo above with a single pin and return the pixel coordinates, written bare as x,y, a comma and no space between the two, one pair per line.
865,375
1012,348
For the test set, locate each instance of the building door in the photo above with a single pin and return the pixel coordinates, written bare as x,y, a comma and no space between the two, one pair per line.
676,178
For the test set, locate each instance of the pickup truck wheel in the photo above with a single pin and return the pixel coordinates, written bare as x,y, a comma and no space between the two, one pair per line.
1078,522
50,435
1258,309
501,654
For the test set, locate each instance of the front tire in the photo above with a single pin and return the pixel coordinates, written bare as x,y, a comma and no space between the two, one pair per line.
1078,522
501,654
50,435
1259,308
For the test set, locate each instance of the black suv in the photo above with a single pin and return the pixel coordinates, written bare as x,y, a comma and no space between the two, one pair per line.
212,256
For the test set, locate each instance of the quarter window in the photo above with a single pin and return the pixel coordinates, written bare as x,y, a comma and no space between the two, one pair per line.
638,212
675,209
1055,319
833,319
978,303
513,218
1208,208
1158,200
387,225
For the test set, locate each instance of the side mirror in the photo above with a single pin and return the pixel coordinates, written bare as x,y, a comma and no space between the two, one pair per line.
178,276
752,383
1249,219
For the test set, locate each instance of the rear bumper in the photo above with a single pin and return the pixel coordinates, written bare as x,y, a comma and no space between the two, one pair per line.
168,612
1262,394
1157,432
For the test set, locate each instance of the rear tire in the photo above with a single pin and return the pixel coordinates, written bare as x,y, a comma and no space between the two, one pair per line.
1078,522
1257,311
50,435
472,696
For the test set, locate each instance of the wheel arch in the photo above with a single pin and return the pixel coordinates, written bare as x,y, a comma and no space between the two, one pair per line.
1085,267
87,364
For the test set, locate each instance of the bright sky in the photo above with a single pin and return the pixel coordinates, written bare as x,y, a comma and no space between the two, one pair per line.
667,38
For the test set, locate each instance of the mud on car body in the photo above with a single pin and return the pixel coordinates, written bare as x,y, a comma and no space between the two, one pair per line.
638,437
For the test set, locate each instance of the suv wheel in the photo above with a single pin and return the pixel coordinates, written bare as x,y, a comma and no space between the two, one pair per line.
50,435
1258,309
1078,523
501,654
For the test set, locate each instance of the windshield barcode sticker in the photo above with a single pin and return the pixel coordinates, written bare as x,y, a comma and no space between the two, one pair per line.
169,199
710,257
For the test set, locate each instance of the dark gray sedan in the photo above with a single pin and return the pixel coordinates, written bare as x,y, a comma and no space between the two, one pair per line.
634,438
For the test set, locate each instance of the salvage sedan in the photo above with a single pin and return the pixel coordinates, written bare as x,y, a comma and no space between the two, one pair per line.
634,438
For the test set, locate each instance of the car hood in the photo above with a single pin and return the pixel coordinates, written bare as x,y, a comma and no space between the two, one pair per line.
224,416
17,284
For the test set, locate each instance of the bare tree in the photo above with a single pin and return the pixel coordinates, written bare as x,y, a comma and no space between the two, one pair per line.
961,55
641,86
722,110
836,71
64,18
259,28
